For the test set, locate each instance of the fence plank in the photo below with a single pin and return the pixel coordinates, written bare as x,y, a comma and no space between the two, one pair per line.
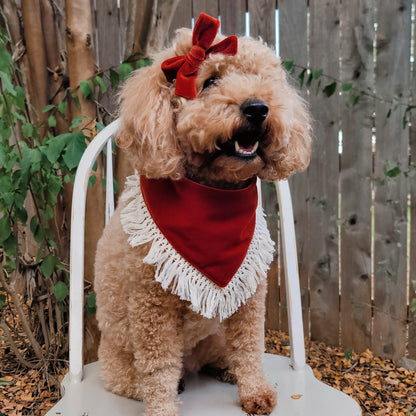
262,20
210,7
181,18
412,261
269,200
293,39
357,67
108,44
390,207
127,12
233,19
321,249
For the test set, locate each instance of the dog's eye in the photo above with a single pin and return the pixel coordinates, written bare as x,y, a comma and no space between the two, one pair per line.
209,82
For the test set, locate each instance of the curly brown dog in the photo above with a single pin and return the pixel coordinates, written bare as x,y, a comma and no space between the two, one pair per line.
208,123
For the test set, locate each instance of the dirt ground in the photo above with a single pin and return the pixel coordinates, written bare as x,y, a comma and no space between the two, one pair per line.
381,387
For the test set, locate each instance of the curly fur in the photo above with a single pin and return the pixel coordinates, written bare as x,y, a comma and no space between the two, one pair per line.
149,336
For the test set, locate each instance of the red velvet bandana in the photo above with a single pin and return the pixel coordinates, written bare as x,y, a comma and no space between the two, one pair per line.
210,228
185,68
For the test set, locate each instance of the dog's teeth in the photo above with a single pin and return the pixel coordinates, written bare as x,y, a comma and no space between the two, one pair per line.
246,151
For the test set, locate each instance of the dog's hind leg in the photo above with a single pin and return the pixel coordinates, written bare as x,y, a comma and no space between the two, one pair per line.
209,358
245,346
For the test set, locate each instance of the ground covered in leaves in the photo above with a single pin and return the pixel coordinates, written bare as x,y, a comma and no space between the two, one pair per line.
381,387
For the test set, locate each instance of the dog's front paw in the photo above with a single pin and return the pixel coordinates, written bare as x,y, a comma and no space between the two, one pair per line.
260,400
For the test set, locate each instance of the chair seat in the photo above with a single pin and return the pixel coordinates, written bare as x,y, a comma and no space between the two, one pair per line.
204,396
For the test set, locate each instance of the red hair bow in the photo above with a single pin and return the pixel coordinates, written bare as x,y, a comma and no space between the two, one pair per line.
185,68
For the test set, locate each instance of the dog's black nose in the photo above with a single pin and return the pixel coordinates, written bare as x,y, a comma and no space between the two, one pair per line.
255,111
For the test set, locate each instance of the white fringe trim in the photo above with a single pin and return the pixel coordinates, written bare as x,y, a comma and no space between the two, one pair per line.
171,269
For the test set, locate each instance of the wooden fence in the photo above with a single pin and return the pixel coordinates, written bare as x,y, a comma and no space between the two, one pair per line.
355,207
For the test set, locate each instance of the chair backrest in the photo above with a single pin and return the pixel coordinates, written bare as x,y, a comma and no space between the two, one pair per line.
76,307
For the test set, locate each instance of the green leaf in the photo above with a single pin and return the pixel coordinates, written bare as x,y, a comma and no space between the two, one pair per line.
49,264
48,108
77,121
348,354
20,99
413,305
74,150
288,65
309,81
76,99
37,230
141,63
114,79
2,303
330,89
346,86
21,214
5,184
56,145
317,73
31,159
7,85
86,89
52,121
392,172
5,228
115,185
62,106
10,246
27,130
125,69
92,180
6,61
100,83
61,291
302,77
54,183
353,98
90,306
99,126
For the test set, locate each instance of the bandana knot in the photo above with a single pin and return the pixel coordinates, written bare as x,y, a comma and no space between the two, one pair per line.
185,68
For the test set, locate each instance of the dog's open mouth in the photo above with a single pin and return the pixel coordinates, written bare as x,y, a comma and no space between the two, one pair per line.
244,151
243,145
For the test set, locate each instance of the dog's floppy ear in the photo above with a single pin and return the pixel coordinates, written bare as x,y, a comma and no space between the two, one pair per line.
296,155
292,151
147,125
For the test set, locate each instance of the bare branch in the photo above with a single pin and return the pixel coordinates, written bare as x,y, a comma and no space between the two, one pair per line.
14,348
25,324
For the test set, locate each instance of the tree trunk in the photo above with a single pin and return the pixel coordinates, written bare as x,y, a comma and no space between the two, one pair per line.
37,76
153,18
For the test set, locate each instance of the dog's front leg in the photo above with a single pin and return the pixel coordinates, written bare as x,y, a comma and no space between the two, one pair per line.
158,347
245,347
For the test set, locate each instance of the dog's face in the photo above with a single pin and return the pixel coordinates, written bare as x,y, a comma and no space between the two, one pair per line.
246,121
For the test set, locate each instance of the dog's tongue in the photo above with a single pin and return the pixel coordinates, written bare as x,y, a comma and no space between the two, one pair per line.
245,149
249,148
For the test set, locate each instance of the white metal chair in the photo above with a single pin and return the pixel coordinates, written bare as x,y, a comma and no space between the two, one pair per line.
299,392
